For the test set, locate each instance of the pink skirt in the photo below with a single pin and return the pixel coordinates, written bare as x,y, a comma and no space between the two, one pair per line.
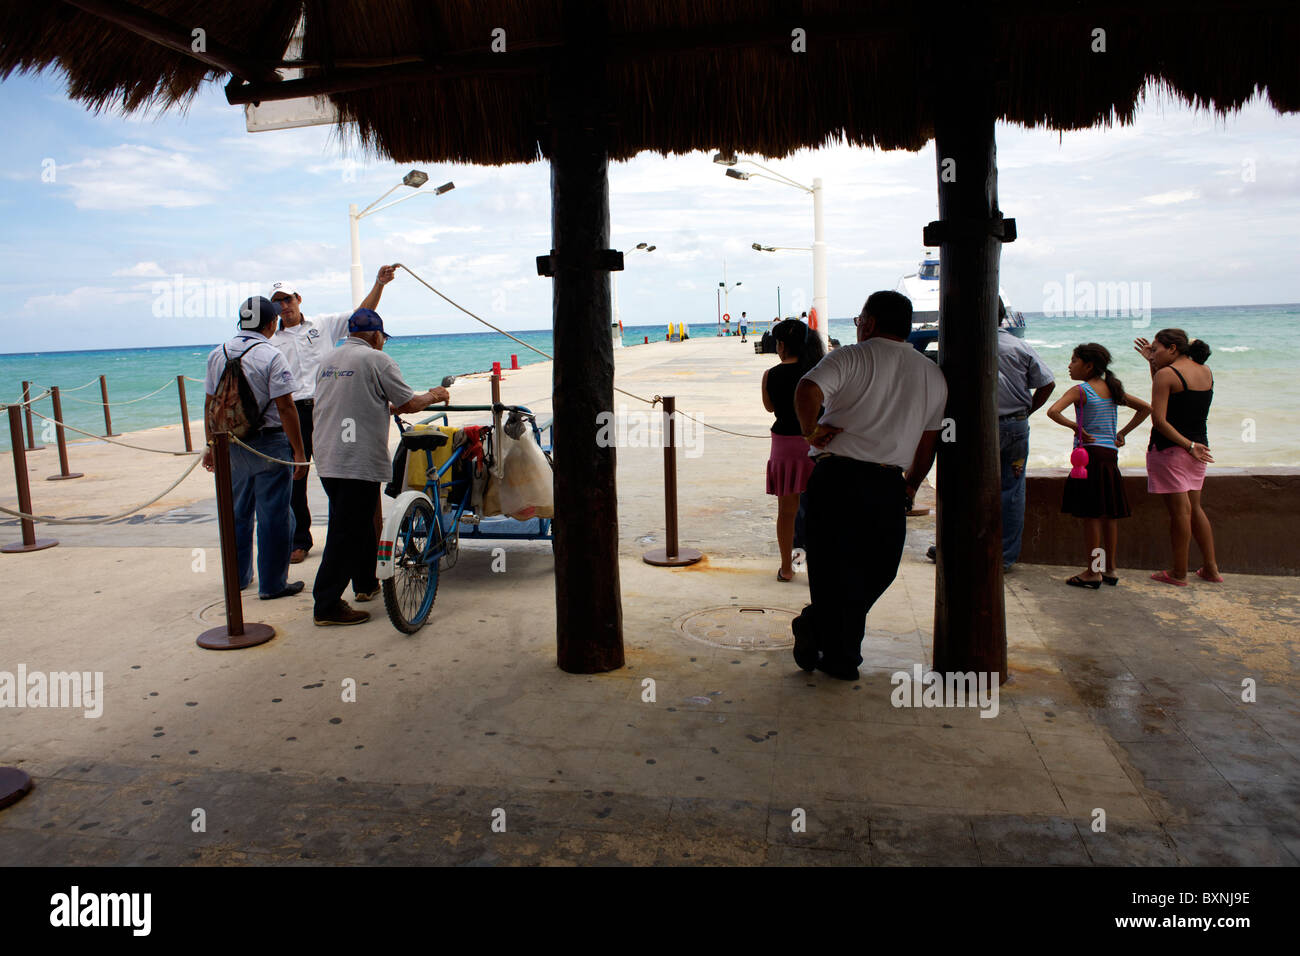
789,466
1172,470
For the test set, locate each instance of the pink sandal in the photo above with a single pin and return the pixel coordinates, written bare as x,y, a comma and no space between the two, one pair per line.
1200,573
1167,578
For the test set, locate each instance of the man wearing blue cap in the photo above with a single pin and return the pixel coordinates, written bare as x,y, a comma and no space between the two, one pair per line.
261,488
305,342
356,386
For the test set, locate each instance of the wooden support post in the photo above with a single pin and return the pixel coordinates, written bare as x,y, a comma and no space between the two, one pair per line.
27,409
108,421
588,603
185,413
29,541
63,445
234,634
671,556
969,618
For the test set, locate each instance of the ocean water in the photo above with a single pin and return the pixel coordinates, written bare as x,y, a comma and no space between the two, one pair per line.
1253,421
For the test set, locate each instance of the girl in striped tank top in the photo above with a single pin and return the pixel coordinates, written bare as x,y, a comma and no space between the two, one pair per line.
1098,499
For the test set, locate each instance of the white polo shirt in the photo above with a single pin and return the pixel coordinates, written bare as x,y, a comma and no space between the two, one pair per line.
305,346
264,367
884,394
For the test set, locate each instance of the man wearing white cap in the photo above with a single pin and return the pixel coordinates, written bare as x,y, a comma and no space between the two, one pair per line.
304,342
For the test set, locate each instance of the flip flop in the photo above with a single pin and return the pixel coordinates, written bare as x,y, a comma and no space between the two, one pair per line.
781,579
1200,573
1112,581
1079,582
1167,578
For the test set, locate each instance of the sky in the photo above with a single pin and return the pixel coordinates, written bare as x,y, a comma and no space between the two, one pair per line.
103,212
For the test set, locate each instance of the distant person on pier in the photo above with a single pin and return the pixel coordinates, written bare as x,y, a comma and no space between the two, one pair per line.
873,445
1099,498
788,465
1181,391
357,388
304,342
260,488
744,326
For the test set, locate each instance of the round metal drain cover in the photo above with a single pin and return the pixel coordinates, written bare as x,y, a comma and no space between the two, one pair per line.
740,627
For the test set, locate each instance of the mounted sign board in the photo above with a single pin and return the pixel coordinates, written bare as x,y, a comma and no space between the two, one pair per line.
288,114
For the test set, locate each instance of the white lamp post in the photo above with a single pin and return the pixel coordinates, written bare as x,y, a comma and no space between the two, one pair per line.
819,234
726,289
415,179
639,247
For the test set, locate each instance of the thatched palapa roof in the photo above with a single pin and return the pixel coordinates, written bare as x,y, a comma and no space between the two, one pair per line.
420,79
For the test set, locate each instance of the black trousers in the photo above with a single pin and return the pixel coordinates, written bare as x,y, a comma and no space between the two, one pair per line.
351,544
855,526
298,501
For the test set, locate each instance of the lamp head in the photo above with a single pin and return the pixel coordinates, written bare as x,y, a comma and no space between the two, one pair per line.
737,174
415,179
444,188
727,158
650,248
640,245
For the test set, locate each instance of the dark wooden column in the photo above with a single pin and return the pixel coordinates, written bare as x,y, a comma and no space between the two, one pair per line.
588,604
969,618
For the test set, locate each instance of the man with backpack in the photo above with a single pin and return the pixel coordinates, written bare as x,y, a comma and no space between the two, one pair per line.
249,389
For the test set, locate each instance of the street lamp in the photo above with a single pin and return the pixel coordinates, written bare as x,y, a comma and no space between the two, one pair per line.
726,293
415,179
730,160
639,247
760,248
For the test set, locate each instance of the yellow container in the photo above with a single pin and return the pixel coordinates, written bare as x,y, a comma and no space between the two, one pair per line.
417,462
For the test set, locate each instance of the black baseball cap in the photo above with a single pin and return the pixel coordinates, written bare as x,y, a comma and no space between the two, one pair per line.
256,312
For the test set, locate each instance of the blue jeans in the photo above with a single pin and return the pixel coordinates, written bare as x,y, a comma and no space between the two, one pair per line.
1013,443
263,490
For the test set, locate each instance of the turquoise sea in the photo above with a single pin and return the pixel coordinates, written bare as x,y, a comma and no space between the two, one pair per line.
1256,362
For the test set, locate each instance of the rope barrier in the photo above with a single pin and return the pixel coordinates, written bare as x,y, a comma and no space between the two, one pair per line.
278,461
93,381
91,521
129,401
639,398
111,441
29,401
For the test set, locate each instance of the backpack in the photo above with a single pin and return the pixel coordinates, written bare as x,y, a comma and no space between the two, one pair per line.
234,406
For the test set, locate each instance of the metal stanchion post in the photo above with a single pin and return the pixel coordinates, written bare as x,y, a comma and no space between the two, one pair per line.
27,408
29,542
63,445
234,633
185,413
108,422
671,556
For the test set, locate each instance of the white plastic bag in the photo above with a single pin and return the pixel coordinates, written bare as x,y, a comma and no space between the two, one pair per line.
526,488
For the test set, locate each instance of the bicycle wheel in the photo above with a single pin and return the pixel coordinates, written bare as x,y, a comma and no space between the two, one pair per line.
409,593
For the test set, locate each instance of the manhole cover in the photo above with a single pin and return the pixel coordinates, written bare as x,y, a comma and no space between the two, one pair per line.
212,613
741,628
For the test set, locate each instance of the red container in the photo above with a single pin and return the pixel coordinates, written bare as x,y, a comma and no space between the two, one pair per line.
496,369
514,362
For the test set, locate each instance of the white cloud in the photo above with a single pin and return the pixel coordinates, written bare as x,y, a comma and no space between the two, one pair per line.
132,177
1172,197
141,269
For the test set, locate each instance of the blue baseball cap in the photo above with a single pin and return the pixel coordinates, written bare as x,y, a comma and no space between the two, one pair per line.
256,312
367,320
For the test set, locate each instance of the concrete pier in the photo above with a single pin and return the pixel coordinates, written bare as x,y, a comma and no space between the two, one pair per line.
1175,712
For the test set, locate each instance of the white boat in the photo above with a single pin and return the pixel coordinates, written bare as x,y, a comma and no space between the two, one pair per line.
922,287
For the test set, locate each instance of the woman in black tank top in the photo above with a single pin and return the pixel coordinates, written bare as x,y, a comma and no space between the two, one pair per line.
1182,389
788,466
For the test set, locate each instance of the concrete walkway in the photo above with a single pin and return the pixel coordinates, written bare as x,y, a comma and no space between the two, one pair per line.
1126,700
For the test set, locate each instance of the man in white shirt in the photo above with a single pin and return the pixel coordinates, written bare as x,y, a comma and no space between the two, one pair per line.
260,488
304,343
356,388
875,443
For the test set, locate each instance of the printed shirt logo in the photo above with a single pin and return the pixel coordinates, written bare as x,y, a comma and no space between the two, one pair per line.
313,334
335,372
